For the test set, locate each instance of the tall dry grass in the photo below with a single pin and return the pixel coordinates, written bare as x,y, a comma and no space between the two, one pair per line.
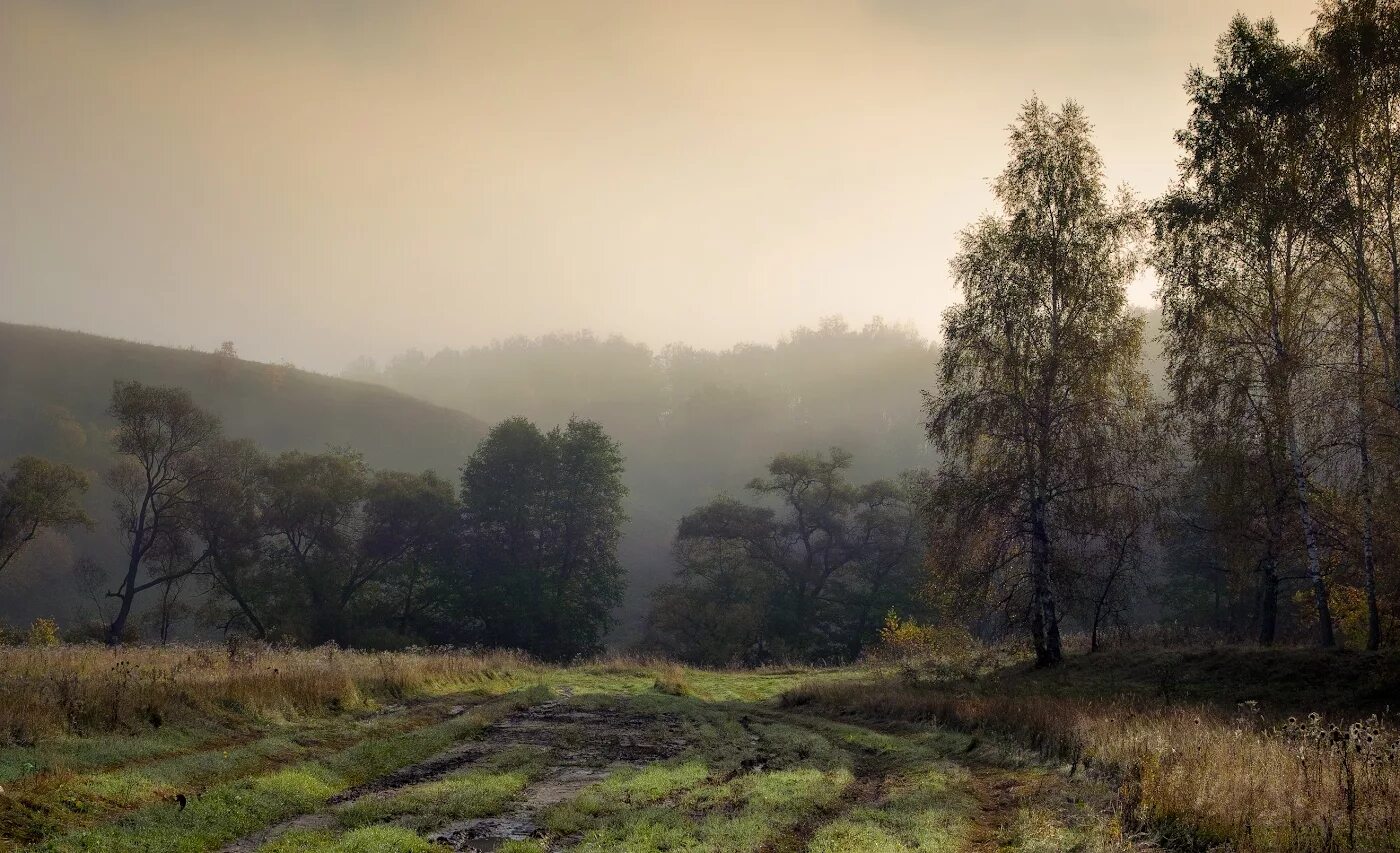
1200,778
87,689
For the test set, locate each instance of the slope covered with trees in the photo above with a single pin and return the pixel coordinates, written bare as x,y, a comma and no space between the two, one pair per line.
55,393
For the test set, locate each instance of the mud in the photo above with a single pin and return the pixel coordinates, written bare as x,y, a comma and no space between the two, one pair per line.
585,747
582,746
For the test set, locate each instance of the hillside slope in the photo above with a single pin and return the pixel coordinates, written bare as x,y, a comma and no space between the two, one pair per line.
54,390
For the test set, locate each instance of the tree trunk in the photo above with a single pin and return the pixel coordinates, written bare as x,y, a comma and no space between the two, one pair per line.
126,592
259,630
1045,623
1363,446
1268,601
1325,637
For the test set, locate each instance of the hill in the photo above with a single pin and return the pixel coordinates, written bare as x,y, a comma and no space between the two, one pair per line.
54,389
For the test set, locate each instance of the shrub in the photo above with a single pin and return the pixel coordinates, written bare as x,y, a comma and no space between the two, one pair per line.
44,632
671,681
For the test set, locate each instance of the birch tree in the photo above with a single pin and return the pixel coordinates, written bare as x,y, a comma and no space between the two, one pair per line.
1244,285
1040,366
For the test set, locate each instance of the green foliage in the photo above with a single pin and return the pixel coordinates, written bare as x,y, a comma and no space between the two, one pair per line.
1247,303
43,632
53,403
543,515
811,579
160,435
695,422
37,495
347,540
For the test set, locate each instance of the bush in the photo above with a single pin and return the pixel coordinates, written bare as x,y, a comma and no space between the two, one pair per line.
671,681
948,649
44,632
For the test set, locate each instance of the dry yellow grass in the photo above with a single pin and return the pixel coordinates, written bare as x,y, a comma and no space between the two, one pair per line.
84,689
1205,778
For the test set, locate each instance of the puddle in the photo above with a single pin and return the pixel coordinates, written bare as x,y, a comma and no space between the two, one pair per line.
487,833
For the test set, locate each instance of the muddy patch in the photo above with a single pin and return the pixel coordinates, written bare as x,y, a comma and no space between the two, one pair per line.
584,747
426,771
581,746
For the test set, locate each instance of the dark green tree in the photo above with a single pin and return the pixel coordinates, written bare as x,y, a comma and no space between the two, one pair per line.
542,517
223,514
810,572
416,521
37,495
340,533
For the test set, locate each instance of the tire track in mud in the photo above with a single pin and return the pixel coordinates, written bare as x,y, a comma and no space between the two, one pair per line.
582,747
585,746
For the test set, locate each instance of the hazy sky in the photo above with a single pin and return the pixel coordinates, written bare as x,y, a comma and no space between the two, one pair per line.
315,180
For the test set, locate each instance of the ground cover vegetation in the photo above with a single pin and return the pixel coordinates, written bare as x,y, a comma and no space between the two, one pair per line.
282,750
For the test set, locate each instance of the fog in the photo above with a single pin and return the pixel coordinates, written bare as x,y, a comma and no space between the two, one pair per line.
320,180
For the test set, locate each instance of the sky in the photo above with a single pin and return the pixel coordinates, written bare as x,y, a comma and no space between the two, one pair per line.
326,179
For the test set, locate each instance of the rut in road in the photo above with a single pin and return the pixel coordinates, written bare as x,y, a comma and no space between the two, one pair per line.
580,747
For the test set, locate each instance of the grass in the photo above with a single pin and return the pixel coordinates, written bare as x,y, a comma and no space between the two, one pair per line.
1200,774
242,804
77,690
992,757
914,812
369,839
475,793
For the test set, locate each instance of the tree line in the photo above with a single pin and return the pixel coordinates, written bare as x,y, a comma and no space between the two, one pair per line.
1270,468
317,547
1258,499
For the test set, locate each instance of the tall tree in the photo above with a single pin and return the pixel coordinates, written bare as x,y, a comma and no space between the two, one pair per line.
1244,290
585,583
160,433
416,529
1356,66
339,529
1039,370
542,517
37,495
505,496
223,514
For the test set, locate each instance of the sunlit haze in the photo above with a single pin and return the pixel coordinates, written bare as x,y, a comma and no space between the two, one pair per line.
321,180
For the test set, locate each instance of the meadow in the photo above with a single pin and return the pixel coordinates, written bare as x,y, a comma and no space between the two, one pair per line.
250,748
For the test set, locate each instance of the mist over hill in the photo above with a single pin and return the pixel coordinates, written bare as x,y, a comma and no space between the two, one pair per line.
54,391
693,423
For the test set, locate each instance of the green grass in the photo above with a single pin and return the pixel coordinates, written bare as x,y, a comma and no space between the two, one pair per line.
920,812
369,839
747,775
754,779
486,790
235,808
77,754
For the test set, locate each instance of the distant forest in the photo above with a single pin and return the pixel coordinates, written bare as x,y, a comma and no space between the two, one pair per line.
694,423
